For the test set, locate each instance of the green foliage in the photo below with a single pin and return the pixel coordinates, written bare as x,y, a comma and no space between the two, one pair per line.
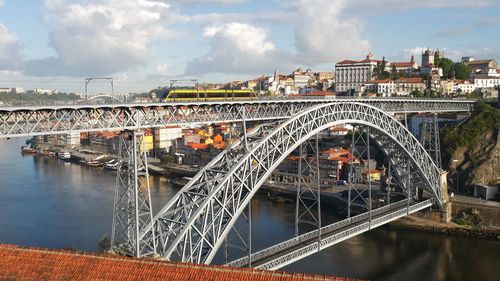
469,133
167,159
417,94
379,70
462,71
446,64
469,217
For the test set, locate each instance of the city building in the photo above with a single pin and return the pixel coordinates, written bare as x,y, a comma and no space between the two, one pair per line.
491,82
383,88
164,137
4,89
464,87
481,66
405,86
45,91
351,75
407,68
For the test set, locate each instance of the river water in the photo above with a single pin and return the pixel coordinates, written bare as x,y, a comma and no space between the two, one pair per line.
45,202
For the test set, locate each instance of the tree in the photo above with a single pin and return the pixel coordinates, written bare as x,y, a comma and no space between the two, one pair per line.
462,71
445,64
379,70
417,94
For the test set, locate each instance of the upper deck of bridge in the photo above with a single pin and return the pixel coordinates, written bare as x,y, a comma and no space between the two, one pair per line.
32,106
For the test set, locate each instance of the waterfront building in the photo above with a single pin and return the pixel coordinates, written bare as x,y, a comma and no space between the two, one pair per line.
163,138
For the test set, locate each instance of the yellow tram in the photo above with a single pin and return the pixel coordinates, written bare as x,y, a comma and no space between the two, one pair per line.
174,95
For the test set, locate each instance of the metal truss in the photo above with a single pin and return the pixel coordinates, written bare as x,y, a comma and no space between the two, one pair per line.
429,137
358,185
289,251
132,204
193,225
43,120
308,199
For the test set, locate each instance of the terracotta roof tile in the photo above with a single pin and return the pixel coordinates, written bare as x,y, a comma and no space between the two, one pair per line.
22,263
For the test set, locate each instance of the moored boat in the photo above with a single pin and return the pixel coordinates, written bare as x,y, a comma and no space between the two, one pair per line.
93,163
27,149
111,165
64,155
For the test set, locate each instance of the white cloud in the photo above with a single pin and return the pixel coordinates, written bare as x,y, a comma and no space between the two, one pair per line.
100,37
10,50
237,48
325,33
162,69
204,2
378,6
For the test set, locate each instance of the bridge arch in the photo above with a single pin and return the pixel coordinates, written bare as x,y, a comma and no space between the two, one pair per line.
192,226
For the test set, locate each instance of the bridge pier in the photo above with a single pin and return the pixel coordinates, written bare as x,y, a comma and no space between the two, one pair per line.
446,211
132,203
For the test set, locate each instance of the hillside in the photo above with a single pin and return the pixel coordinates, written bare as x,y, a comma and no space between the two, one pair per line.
476,145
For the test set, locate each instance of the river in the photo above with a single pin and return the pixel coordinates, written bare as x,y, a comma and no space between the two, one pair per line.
45,202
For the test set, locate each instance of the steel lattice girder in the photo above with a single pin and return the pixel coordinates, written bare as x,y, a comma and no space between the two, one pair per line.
132,204
30,121
193,225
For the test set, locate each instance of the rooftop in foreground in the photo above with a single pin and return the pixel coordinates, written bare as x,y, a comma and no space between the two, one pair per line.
23,263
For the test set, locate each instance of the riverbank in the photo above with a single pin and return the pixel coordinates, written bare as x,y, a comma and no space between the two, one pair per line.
416,223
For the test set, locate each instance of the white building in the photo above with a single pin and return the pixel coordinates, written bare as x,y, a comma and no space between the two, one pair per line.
300,80
4,89
350,76
45,91
72,138
163,137
383,88
18,90
463,87
491,82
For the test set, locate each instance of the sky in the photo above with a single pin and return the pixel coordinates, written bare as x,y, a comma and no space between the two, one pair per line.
143,44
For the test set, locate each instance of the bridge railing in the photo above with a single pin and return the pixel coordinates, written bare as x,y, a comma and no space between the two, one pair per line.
312,234
347,233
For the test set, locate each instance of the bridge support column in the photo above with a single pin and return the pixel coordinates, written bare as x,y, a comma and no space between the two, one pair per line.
429,137
358,185
132,203
446,212
308,187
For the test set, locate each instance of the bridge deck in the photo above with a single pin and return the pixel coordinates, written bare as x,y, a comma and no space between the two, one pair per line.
309,243
18,121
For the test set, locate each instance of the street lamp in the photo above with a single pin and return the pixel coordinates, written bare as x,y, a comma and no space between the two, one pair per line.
456,171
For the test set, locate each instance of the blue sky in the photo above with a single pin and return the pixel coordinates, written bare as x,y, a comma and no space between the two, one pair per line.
145,43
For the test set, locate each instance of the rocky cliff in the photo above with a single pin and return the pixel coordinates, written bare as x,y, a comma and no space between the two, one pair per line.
476,146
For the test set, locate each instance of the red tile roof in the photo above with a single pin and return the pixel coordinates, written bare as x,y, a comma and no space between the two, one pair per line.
411,80
403,64
379,81
21,263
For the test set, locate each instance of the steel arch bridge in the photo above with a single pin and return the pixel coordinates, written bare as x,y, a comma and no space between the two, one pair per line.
193,225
